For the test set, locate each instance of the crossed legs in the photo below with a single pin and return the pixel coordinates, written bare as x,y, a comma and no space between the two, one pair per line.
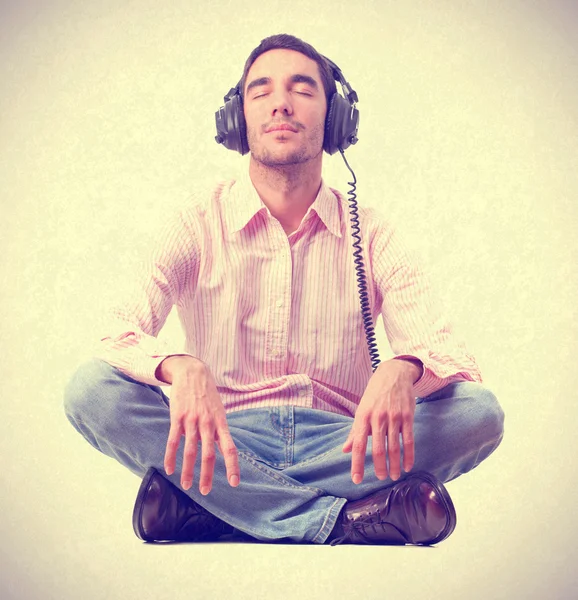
294,477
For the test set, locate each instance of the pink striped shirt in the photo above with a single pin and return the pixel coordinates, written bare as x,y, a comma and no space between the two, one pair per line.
277,318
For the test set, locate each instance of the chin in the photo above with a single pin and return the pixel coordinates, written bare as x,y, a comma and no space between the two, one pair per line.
281,161
282,156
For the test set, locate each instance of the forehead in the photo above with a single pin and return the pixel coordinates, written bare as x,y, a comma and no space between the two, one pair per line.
280,63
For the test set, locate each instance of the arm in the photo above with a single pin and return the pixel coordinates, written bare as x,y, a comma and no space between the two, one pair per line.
129,339
428,358
196,410
415,324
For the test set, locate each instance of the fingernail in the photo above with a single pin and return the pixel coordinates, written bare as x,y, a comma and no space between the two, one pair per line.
234,481
356,478
186,485
205,490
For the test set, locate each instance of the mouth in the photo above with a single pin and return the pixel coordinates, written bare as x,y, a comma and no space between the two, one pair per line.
281,127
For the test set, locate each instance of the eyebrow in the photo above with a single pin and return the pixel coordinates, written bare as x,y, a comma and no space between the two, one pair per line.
258,82
297,78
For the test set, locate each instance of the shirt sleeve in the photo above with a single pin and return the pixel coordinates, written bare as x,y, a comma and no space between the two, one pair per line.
414,320
130,328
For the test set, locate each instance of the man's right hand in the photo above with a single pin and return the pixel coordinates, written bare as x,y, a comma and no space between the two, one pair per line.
198,414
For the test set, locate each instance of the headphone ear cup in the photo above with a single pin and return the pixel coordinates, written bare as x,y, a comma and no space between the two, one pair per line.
231,127
340,124
329,139
238,119
243,131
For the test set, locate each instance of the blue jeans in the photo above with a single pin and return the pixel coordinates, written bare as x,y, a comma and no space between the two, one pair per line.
295,478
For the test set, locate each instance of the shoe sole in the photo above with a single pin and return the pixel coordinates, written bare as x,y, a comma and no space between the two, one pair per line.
137,511
446,502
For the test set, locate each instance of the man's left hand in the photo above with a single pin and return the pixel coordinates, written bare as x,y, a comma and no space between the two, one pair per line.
385,411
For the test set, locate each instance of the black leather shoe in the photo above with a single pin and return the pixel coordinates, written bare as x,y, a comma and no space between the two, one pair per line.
162,512
416,510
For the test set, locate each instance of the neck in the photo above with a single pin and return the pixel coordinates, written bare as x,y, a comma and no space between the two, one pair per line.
288,190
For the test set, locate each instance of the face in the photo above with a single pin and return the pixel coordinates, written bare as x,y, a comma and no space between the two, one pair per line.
285,106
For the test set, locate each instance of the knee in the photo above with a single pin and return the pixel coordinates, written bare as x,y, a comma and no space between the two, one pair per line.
486,414
85,391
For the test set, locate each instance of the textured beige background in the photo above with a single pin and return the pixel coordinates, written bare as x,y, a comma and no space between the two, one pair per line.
468,140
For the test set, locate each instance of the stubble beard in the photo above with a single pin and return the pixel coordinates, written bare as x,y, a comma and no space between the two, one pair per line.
309,150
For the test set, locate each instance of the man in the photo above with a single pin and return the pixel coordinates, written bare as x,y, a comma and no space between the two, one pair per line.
276,371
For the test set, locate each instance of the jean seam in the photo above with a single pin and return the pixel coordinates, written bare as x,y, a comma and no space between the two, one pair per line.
260,459
290,438
329,521
280,479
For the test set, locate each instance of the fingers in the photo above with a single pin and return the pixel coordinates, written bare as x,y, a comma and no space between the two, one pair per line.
227,448
397,425
357,443
208,436
408,443
189,455
173,442
393,449
390,427
229,451
208,457
378,450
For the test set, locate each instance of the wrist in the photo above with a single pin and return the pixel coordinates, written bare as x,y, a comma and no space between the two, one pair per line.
178,366
414,367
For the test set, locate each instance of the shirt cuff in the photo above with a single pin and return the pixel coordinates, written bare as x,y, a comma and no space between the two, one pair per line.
429,382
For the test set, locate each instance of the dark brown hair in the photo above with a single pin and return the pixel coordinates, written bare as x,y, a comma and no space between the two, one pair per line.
290,42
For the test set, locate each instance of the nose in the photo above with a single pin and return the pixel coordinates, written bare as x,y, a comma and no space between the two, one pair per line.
281,103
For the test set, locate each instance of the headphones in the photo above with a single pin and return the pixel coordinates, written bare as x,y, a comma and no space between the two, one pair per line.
341,121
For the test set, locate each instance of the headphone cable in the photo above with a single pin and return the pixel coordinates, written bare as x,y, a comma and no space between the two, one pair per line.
361,278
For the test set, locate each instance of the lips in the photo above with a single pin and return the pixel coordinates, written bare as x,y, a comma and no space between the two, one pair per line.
281,127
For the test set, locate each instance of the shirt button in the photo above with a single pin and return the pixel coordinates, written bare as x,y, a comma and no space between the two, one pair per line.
279,303
275,352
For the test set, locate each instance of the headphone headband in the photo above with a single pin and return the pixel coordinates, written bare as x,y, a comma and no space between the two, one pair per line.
348,92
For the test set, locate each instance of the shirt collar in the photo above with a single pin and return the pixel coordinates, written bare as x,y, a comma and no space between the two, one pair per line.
243,203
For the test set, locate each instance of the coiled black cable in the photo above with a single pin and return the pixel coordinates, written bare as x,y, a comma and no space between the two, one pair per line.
361,279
